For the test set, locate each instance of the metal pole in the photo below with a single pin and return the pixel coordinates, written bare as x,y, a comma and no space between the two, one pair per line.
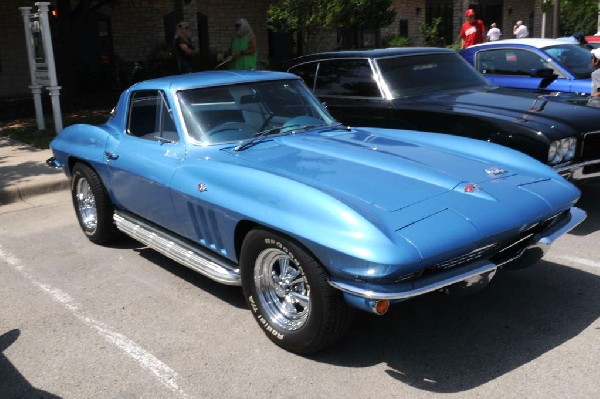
36,89
544,24
54,89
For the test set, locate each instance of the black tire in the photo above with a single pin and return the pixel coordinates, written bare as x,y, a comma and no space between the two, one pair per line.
289,295
92,205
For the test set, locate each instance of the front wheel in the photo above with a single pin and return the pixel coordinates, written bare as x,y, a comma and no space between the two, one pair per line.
289,295
92,205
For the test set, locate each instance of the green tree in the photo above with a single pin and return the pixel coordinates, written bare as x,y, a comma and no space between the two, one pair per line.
308,18
578,15
431,33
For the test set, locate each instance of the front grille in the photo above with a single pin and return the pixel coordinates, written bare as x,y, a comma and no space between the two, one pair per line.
502,251
591,147
465,258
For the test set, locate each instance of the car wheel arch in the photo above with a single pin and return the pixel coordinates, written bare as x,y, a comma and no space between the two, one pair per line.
244,227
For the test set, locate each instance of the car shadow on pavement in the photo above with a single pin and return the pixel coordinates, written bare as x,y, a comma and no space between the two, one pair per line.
12,382
230,294
446,345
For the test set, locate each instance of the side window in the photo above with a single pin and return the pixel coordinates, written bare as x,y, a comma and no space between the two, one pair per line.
307,72
150,117
508,62
351,78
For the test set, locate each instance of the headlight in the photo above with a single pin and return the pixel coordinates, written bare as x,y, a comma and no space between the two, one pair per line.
553,154
562,150
567,147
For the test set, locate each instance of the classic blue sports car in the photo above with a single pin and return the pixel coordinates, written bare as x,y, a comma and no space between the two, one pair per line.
534,64
246,178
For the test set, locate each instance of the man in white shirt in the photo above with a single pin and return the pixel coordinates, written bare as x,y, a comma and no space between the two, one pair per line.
520,31
494,33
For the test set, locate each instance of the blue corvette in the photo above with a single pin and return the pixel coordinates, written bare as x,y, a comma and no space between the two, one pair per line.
534,64
246,178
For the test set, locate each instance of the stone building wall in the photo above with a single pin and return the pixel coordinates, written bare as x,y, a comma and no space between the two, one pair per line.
411,10
138,28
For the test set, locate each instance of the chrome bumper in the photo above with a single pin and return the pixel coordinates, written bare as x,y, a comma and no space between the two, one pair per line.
469,272
53,163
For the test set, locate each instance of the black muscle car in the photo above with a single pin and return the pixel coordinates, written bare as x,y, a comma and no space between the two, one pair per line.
436,90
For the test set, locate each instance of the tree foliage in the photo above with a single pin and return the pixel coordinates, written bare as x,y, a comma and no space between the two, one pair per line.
578,15
310,17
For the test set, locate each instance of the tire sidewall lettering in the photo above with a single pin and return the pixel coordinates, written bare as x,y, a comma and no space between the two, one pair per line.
263,320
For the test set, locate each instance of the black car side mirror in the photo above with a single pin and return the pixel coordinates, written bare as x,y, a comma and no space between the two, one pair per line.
543,73
547,74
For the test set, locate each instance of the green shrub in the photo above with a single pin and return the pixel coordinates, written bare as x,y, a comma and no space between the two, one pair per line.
397,41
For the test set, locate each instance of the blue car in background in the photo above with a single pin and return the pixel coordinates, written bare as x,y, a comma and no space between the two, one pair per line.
533,64
244,177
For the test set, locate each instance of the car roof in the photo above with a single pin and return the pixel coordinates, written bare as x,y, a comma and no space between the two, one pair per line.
210,78
533,42
373,53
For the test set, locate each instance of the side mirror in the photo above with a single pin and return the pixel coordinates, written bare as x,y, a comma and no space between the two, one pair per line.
543,73
547,74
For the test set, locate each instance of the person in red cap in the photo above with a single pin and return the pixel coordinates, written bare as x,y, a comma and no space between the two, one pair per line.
473,31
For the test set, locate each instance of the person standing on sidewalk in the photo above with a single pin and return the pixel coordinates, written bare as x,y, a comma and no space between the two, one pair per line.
184,49
243,46
472,31
520,30
494,33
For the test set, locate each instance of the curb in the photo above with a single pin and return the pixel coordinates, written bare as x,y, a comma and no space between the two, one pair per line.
22,192
24,173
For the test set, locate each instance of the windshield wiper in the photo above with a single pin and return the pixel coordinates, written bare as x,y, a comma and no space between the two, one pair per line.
290,129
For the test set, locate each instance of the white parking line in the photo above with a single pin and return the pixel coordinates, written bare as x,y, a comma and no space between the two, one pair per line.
574,259
145,359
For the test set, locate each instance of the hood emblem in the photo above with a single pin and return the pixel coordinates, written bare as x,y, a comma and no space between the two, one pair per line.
472,187
495,171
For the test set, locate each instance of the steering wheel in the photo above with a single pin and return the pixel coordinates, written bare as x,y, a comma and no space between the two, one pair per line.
230,131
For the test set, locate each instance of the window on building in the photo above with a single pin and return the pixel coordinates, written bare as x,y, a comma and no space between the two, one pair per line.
441,9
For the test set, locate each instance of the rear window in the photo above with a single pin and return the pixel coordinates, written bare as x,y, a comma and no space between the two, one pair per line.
349,78
422,74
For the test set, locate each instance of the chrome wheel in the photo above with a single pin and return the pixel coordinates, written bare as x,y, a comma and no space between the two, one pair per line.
86,205
282,289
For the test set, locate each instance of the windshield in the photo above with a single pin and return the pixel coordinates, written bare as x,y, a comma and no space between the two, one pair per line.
232,113
574,58
422,74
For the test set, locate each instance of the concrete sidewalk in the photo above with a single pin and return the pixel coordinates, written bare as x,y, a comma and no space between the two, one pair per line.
24,173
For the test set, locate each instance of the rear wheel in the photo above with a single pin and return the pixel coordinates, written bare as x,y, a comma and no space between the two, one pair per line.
92,204
289,295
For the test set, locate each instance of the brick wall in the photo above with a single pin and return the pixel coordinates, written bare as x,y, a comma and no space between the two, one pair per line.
138,28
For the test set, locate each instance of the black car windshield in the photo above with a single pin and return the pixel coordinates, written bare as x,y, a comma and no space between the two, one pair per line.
574,58
232,113
422,74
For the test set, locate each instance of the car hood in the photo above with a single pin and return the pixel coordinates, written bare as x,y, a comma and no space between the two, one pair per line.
563,111
383,168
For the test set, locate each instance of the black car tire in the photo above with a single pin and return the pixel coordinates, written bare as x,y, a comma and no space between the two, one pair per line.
289,295
92,205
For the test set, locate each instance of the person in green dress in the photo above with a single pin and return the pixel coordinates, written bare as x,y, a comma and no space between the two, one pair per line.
243,46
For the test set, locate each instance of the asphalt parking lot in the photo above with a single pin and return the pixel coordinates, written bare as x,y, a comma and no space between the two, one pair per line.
123,321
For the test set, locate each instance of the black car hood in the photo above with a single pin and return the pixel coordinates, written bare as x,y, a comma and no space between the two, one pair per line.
564,113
